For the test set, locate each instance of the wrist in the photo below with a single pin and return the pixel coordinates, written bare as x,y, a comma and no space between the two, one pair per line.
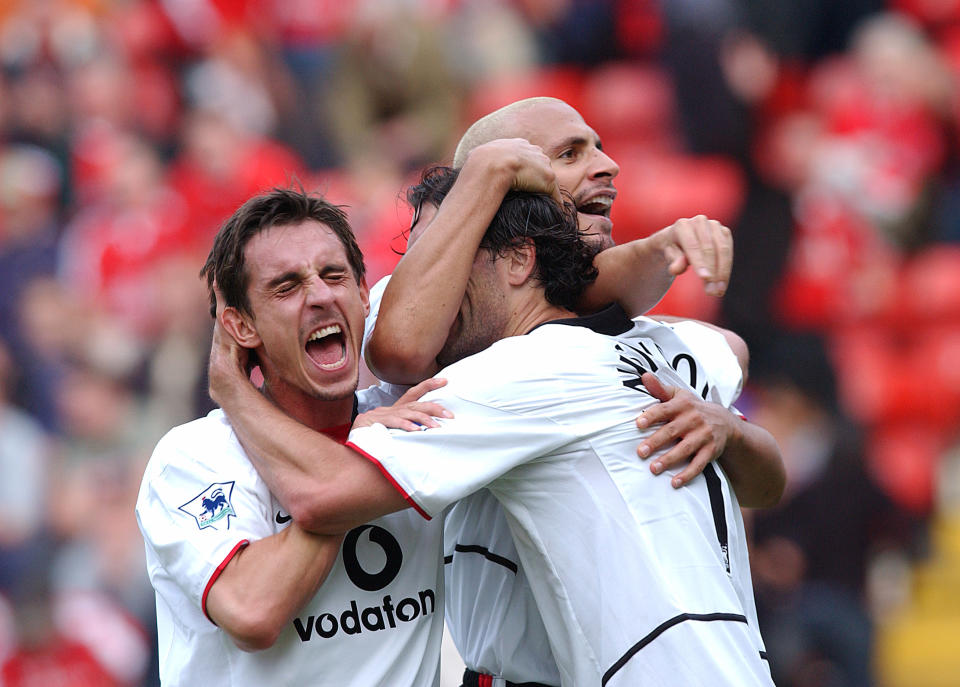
225,383
658,247
496,169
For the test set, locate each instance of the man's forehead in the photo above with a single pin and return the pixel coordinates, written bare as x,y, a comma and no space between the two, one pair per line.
552,124
293,247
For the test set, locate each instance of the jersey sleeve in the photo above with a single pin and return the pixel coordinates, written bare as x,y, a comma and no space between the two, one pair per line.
715,355
438,466
376,295
195,513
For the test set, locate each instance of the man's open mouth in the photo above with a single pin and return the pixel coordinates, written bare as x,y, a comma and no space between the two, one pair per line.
327,347
598,205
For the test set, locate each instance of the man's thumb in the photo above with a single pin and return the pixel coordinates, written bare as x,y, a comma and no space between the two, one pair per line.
656,388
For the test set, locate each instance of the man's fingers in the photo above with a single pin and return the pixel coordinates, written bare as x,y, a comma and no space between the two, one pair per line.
665,435
659,391
708,247
724,260
699,246
415,392
674,457
695,467
429,409
677,262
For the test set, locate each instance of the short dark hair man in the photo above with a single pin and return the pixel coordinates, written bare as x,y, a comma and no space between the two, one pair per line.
238,585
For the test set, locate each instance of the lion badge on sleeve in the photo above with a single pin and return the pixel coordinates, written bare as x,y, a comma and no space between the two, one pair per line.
212,506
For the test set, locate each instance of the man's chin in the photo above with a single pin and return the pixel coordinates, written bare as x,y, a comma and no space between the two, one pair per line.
597,229
337,390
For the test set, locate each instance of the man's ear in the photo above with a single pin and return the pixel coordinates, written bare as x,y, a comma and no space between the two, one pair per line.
364,296
521,261
240,327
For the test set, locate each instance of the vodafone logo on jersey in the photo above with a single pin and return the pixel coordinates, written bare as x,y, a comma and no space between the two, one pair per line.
366,580
372,558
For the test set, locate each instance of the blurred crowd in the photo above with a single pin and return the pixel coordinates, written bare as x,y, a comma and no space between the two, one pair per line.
825,134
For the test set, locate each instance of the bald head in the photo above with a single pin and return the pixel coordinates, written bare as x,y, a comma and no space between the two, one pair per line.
510,121
582,169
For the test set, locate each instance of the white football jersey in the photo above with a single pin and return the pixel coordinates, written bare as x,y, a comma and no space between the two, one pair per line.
637,583
376,619
490,609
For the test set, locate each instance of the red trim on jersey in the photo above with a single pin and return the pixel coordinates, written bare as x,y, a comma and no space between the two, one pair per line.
484,680
338,433
216,575
396,485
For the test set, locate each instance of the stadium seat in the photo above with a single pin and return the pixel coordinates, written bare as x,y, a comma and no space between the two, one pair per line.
930,285
905,457
657,189
563,82
631,103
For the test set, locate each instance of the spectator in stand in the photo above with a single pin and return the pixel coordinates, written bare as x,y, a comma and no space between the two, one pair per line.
811,553
24,458
133,222
220,165
29,225
396,98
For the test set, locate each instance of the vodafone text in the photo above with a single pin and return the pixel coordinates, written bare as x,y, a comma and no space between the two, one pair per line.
371,619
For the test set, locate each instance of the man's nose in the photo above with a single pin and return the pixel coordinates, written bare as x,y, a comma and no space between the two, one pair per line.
319,292
602,165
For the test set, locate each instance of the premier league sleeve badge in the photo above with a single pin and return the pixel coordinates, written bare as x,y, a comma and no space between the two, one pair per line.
212,507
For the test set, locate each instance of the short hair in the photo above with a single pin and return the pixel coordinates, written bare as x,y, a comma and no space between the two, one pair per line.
564,261
434,185
500,123
226,263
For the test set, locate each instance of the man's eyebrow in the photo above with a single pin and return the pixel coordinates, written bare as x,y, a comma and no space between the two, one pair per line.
291,275
283,278
576,141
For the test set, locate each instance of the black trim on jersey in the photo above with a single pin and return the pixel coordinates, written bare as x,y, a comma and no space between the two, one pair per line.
660,629
719,512
611,321
763,656
486,553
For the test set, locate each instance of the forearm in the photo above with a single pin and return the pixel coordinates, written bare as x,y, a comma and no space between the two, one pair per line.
638,274
754,465
635,275
267,582
326,487
427,286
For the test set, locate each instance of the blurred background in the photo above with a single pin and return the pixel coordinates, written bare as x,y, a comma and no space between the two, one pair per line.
825,134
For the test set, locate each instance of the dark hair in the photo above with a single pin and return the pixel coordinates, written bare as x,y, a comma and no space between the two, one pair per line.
226,264
564,261
434,185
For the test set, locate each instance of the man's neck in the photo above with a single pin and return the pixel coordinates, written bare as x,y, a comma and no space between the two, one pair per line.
532,314
316,414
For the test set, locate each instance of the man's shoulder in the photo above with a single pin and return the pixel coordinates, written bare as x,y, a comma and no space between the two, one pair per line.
209,439
540,356
212,427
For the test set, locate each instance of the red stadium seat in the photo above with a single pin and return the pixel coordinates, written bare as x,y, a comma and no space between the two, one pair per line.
930,285
686,298
565,83
631,103
905,458
655,190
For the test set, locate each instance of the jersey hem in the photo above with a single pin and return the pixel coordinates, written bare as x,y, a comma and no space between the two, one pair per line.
396,485
216,575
